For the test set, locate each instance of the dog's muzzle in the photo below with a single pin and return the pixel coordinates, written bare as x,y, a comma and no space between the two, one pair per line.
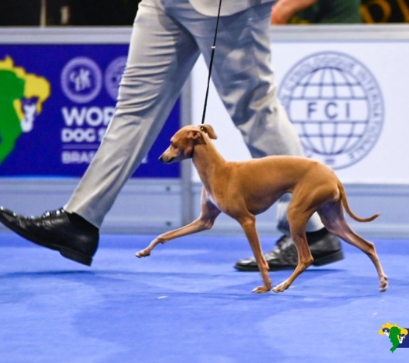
164,160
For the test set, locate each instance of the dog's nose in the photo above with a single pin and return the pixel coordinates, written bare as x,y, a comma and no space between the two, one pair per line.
161,158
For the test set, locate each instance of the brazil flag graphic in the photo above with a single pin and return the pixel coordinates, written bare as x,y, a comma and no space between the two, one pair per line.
21,100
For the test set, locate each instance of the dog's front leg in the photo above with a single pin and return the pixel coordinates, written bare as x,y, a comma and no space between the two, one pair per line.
196,226
249,226
205,221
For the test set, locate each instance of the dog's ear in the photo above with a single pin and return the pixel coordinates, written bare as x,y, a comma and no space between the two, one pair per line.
196,137
208,130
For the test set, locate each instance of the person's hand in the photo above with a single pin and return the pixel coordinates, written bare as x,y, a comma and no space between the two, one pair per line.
283,10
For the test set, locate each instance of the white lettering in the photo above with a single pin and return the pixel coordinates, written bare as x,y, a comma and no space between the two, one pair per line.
78,135
73,116
77,157
93,116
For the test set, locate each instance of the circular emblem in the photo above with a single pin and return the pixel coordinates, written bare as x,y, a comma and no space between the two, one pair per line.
113,76
81,80
336,105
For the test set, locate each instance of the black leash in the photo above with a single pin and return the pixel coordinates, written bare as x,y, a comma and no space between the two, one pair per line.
211,63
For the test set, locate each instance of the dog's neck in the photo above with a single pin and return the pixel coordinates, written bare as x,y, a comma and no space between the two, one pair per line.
208,161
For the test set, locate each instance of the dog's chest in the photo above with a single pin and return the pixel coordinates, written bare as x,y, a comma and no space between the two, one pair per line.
212,199
215,197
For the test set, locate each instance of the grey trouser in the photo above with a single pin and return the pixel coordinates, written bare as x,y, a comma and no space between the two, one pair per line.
167,38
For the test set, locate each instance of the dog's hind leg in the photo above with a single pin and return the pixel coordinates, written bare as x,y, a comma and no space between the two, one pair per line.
332,216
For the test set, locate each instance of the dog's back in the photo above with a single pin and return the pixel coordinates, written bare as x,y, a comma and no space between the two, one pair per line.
282,172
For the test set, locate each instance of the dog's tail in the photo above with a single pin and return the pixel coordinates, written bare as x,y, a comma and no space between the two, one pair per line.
346,206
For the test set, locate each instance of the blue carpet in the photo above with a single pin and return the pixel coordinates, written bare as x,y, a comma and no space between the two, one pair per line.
186,303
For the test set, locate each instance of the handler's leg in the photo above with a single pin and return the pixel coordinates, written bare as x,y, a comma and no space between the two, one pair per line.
244,78
161,56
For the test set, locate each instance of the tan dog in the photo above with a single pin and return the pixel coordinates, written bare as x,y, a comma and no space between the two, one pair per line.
245,189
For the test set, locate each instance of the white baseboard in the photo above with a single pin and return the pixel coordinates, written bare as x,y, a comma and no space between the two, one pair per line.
153,206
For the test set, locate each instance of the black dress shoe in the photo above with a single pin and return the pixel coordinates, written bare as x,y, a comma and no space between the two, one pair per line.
70,234
325,248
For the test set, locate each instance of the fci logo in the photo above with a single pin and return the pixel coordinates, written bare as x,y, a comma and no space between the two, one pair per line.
336,105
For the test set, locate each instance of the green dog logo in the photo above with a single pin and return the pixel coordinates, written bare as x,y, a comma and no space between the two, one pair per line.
21,100
395,333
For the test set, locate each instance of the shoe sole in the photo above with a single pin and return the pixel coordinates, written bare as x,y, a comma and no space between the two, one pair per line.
64,251
333,257
76,256
325,260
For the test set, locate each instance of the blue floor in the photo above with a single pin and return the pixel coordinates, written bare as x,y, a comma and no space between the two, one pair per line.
186,303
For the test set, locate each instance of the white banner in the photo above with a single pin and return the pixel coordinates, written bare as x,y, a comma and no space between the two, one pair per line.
347,99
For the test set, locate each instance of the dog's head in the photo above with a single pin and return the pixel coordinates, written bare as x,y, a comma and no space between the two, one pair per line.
184,141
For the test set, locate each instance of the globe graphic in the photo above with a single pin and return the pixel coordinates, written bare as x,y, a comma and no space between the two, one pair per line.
330,110
113,76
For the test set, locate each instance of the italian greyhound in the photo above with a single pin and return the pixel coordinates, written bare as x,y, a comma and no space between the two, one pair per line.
244,189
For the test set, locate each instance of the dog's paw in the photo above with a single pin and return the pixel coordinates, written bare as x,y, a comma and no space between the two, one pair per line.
261,290
143,253
383,284
280,288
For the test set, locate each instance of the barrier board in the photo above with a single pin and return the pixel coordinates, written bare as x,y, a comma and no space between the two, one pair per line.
56,101
346,98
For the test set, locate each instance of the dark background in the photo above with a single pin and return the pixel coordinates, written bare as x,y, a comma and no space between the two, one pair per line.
122,12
